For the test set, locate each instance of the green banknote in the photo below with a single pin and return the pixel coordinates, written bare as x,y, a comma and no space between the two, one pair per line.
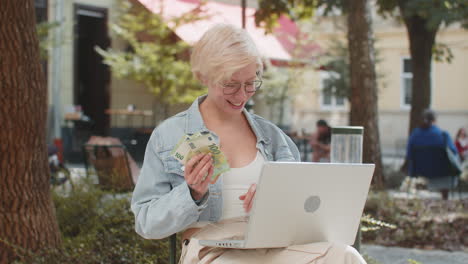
219,159
201,142
181,150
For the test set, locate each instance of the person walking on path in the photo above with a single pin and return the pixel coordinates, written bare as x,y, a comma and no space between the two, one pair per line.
426,155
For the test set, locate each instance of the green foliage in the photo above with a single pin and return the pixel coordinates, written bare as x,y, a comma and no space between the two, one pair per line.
98,227
434,12
337,84
442,53
275,81
283,83
337,62
156,57
45,40
270,11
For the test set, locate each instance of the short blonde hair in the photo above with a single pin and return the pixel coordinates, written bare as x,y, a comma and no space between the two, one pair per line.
222,51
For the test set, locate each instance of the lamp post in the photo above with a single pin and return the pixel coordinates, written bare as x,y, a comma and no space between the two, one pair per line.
243,4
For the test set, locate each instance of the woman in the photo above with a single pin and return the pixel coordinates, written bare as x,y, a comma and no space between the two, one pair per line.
170,199
320,142
461,142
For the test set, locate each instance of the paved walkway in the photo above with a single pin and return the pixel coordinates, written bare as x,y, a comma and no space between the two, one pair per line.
397,255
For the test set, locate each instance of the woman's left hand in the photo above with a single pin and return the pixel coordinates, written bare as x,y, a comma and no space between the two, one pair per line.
249,197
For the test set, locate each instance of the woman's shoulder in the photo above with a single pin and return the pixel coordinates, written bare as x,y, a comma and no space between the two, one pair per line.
279,139
166,135
266,124
269,129
175,121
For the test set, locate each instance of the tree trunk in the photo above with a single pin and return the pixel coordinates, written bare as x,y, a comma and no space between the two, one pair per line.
421,40
363,83
27,214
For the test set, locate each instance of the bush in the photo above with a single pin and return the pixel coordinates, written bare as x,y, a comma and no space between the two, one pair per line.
98,227
420,223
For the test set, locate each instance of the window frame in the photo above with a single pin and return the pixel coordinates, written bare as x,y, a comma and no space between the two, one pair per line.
333,106
404,75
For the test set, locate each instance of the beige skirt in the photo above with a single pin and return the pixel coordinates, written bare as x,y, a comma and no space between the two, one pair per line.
318,253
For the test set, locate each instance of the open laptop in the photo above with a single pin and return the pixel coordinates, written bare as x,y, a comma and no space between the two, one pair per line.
300,203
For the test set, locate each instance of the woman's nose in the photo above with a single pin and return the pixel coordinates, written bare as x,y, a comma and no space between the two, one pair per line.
242,91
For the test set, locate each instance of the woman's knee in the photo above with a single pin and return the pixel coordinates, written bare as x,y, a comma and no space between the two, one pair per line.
352,256
343,254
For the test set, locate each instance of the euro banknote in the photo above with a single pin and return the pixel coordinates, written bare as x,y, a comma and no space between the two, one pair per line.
201,142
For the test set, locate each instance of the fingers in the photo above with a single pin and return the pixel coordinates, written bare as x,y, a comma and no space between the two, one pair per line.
210,173
196,169
249,206
202,167
207,181
190,164
248,198
193,166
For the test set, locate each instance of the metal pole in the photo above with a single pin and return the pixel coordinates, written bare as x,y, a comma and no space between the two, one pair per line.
56,68
243,13
173,249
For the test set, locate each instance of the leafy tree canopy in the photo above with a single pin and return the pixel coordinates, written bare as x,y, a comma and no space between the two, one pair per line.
435,12
155,57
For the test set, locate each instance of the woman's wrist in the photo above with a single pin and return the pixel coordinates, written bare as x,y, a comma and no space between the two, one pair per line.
196,196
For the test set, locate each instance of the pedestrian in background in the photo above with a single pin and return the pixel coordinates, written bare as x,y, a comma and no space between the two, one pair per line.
320,142
427,155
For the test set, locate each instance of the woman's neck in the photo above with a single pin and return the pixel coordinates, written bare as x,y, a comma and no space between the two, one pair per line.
212,115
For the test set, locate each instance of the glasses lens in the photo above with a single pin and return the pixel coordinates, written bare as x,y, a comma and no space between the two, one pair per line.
250,87
231,88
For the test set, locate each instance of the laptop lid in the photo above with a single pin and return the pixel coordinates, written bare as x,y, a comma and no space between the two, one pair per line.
300,203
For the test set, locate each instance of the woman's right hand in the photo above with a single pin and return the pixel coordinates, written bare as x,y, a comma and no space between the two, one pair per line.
196,169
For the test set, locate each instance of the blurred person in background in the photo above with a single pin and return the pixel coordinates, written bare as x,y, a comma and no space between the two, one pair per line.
426,155
461,142
320,142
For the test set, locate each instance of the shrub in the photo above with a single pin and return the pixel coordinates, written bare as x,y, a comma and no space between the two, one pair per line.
423,223
98,227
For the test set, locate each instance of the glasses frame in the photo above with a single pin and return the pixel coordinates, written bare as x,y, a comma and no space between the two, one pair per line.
259,81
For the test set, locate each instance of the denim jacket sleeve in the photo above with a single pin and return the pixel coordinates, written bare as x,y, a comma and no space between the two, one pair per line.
293,148
278,143
161,208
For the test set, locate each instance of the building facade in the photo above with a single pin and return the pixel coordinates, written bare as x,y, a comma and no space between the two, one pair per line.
449,87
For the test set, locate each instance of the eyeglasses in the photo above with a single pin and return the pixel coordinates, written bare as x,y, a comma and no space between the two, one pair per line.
250,87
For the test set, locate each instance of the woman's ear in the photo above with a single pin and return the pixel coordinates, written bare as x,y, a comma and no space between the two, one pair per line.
202,79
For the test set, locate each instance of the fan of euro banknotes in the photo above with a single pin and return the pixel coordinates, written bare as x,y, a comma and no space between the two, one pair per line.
201,142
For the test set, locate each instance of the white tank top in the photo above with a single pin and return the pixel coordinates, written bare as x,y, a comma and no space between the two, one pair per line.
236,182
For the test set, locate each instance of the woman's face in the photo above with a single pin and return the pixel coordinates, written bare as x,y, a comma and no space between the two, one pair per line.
462,133
233,103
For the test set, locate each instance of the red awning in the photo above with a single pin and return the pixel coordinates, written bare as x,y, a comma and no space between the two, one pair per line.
272,46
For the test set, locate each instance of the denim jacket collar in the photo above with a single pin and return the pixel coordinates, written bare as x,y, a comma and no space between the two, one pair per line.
194,122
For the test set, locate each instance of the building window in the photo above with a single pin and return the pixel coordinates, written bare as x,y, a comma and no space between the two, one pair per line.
41,10
328,99
406,82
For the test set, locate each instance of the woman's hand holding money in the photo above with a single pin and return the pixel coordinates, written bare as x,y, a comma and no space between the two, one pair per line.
249,197
198,171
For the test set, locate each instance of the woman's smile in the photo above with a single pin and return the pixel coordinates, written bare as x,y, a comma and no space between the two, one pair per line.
236,105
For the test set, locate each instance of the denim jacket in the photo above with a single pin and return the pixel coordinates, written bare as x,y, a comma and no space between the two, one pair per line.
162,202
